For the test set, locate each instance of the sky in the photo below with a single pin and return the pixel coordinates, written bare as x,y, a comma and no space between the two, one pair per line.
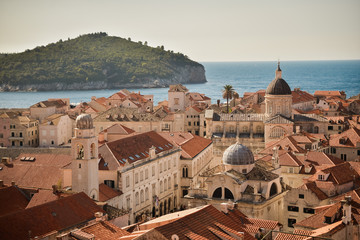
204,30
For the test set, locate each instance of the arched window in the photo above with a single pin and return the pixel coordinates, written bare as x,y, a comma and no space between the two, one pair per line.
185,172
316,129
137,198
169,182
277,132
165,185
217,193
228,194
80,151
273,189
142,198
146,194
93,150
161,187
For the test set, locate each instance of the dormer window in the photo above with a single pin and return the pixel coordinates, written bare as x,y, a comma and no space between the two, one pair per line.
328,220
321,177
342,140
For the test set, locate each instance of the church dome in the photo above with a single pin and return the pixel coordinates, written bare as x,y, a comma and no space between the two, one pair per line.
84,121
238,154
278,86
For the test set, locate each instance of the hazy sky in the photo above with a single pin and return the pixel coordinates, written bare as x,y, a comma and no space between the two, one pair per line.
205,30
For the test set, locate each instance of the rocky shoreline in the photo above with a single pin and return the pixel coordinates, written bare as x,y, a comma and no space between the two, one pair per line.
185,75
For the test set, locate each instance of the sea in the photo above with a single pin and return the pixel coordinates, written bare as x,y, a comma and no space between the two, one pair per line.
309,76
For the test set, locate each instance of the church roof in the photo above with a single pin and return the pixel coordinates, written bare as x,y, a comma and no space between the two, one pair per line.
278,86
279,119
309,118
238,154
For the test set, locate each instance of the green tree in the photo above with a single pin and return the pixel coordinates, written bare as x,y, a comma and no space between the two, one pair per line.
228,92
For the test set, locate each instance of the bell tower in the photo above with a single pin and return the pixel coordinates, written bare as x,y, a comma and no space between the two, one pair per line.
84,150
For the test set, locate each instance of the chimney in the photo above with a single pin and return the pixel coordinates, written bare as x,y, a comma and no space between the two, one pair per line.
224,208
346,219
1,183
218,102
12,183
298,129
93,98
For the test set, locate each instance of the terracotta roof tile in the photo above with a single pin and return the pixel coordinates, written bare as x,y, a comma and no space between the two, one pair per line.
44,172
327,93
191,145
12,199
313,188
134,148
106,193
298,234
350,138
105,230
299,96
45,196
198,223
53,216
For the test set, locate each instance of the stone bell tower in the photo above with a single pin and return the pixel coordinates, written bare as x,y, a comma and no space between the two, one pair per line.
84,150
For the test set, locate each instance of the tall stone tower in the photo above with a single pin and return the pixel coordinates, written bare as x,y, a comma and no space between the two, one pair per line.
84,150
278,108
176,97
278,98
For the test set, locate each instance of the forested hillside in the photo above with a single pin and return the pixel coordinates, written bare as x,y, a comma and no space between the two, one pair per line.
95,61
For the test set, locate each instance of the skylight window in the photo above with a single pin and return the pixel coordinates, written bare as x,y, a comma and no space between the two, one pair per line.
131,158
160,148
137,156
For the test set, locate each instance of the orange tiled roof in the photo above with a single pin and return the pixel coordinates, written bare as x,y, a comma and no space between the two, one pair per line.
191,145
348,139
341,173
327,93
105,230
53,216
45,196
106,193
313,188
298,234
12,200
134,148
299,96
199,223
44,172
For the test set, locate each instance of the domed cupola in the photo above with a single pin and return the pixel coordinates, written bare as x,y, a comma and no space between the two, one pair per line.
238,157
278,86
84,121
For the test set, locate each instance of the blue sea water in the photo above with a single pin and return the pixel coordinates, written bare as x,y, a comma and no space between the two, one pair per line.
243,76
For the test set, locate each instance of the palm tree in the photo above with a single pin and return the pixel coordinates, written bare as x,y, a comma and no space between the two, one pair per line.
228,94
235,96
